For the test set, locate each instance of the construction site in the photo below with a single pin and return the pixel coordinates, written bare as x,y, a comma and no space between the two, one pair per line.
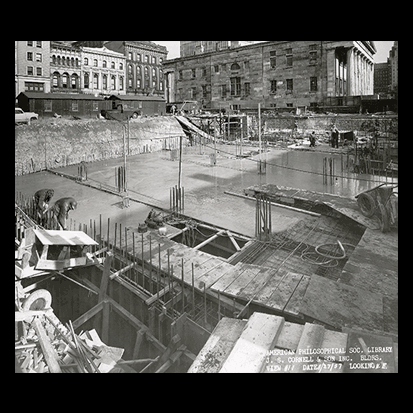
227,245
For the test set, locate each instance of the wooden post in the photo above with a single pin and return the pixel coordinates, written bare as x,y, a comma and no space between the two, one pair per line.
180,162
182,285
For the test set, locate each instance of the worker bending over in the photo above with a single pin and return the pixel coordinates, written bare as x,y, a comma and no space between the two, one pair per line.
42,199
61,210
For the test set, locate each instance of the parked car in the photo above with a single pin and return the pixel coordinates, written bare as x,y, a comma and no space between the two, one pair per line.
24,117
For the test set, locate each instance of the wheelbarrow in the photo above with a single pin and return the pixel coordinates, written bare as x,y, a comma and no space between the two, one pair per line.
381,201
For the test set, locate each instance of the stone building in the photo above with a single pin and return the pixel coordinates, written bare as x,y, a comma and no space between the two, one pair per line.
190,48
103,71
277,74
144,66
394,66
65,67
32,66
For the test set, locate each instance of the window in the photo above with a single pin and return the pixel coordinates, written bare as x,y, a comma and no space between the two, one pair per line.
38,44
95,62
38,71
130,55
72,61
204,71
47,105
121,83
74,82
289,105
64,80
113,82
130,69
30,70
95,105
216,68
120,66
235,66
313,54
273,88
224,91
29,43
34,87
153,73
104,63
86,81
181,75
95,81
289,85
138,83
289,56
247,88
161,85
146,58
38,57
247,65
64,61
235,86
55,80
105,82
204,92
75,106
138,71
193,73
86,61
273,59
138,57
112,65
129,83
154,83
313,84
153,60
30,56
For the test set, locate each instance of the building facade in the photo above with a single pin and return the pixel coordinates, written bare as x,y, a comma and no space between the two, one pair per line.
394,66
103,71
65,67
144,66
382,79
32,66
277,74
190,48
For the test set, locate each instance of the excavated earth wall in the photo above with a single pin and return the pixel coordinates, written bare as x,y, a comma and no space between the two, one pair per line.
60,142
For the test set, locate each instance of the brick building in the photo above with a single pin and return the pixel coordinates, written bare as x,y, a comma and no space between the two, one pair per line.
144,66
277,74
190,48
32,66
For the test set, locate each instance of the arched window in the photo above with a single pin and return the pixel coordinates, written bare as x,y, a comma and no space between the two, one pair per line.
86,81
235,66
54,59
72,61
65,79
138,71
58,60
74,81
63,61
55,80
86,61
113,82
112,65
105,82
104,63
120,66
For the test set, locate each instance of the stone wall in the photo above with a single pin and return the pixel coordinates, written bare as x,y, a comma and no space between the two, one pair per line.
61,142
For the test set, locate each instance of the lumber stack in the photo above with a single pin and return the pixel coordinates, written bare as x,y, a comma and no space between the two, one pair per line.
48,346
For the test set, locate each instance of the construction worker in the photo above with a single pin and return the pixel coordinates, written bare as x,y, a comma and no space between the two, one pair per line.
42,199
61,210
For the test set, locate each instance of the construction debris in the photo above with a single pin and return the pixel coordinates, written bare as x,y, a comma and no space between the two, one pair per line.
48,346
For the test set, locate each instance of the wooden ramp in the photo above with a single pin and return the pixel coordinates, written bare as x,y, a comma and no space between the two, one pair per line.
269,344
185,121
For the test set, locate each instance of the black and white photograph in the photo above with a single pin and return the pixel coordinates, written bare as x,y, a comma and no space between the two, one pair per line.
206,206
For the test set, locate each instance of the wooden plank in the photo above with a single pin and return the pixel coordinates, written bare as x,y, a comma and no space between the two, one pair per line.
265,292
49,352
290,336
226,279
105,276
340,305
258,282
246,275
249,352
56,237
60,265
218,346
294,303
214,274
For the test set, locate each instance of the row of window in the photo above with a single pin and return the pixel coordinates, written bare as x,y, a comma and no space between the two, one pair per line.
141,84
31,43
104,63
86,79
38,56
145,70
48,105
147,58
235,88
30,71
65,61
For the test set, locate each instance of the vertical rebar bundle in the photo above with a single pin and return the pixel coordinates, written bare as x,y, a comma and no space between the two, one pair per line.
120,178
263,221
176,199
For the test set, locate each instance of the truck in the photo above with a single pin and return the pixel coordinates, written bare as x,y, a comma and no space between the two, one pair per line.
24,117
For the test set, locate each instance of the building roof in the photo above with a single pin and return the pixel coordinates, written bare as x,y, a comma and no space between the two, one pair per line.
136,97
66,96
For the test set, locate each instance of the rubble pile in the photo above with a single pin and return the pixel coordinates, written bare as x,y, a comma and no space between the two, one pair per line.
48,346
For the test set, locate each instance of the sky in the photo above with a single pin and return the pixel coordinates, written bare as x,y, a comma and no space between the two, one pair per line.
383,48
